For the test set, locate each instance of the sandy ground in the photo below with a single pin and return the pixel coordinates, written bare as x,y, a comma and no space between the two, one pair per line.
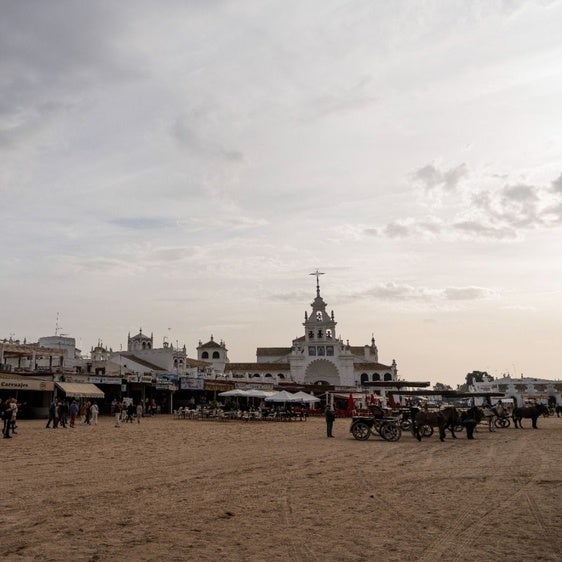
201,490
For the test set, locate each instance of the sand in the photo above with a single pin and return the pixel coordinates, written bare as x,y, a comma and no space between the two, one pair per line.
171,489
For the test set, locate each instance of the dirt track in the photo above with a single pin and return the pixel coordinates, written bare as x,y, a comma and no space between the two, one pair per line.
200,490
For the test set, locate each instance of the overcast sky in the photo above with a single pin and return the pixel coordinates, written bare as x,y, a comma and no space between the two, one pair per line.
182,166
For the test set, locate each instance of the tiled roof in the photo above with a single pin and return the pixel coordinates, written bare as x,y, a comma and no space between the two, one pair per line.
142,362
372,366
211,343
253,367
273,351
196,363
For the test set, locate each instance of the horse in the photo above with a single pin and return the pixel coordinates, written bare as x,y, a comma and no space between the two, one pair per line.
490,415
470,419
448,417
532,412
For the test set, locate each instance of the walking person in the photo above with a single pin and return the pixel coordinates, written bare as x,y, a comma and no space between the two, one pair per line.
330,416
94,410
139,411
15,408
52,414
73,413
63,413
117,410
88,412
7,417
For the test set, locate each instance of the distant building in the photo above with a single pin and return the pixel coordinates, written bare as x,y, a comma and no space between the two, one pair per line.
317,357
523,389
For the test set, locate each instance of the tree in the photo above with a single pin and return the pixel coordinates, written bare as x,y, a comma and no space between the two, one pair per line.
478,376
440,386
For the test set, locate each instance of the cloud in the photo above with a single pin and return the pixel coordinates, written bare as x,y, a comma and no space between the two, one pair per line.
481,230
143,223
448,180
403,292
557,184
187,136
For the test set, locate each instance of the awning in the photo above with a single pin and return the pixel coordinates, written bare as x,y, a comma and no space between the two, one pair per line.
80,390
17,382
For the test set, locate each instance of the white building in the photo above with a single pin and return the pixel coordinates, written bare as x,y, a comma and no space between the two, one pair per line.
317,357
523,389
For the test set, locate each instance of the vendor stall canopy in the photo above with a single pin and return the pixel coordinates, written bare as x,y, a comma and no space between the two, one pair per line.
80,390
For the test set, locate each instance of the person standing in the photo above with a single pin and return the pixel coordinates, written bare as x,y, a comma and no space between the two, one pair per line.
52,414
330,416
73,413
139,411
117,410
14,407
94,410
7,417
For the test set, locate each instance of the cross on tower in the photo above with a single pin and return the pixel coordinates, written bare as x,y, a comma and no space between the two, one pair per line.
317,274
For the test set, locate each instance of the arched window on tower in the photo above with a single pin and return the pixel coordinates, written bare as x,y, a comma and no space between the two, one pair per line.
329,334
281,376
205,355
148,345
216,355
387,377
144,345
376,377
319,316
364,378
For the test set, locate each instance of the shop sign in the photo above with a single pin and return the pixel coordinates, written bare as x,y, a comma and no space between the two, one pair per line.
218,386
192,384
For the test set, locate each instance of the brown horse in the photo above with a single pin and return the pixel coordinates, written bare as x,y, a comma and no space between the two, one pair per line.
448,417
532,412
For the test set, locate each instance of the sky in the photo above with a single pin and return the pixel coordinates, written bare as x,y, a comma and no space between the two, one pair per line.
183,166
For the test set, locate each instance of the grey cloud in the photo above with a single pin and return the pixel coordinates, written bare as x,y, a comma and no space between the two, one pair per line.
481,230
432,177
187,136
557,184
467,293
143,223
169,254
397,230
403,292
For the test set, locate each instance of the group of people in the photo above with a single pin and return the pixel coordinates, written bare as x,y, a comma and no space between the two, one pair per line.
9,414
125,411
62,412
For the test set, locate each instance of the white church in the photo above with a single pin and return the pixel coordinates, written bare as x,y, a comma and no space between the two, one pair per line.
318,357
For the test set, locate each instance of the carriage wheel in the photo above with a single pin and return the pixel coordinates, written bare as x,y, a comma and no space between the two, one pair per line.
502,423
406,425
390,432
361,431
426,430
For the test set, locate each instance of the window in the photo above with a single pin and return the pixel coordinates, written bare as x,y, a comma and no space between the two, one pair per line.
376,377
267,375
311,350
311,334
319,334
319,315
364,378
321,350
330,350
281,376
216,355
205,355
329,334
256,375
387,377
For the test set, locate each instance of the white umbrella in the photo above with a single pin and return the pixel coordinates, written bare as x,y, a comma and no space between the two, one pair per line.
305,397
282,396
255,393
235,392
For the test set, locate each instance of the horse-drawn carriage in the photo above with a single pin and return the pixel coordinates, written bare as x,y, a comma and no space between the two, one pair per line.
388,427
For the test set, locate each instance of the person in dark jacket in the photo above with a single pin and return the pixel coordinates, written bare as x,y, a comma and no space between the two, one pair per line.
330,416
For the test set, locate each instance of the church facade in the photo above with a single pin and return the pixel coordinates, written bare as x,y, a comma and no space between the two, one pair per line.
317,357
